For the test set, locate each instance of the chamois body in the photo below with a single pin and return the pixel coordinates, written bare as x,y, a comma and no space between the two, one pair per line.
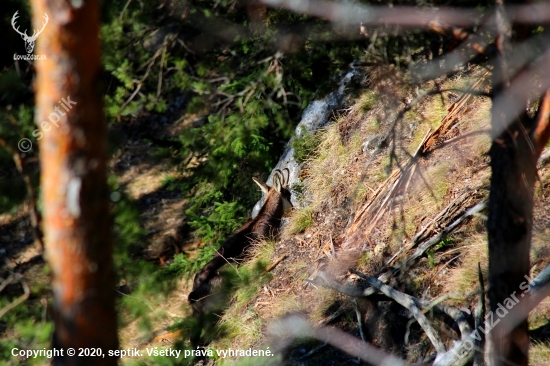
206,297
234,249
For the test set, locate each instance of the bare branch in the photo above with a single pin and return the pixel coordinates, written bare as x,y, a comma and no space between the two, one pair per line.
407,16
20,299
408,302
458,355
355,14
296,326
422,248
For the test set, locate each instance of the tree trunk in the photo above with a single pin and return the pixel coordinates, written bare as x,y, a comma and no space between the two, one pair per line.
77,225
510,222
518,141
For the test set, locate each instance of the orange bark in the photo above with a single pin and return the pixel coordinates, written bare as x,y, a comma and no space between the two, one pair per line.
69,112
541,133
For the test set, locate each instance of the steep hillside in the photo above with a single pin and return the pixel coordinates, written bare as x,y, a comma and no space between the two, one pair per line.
394,187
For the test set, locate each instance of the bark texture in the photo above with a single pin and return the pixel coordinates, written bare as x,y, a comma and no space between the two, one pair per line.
518,141
77,225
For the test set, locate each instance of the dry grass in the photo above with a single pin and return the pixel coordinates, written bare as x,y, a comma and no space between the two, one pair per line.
325,298
424,199
327,169
437,184
262,251
336,182
539,354
300,220
464,277
164,311
241,329
434,112
282,305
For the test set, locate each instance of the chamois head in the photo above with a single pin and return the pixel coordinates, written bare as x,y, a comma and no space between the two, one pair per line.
279,193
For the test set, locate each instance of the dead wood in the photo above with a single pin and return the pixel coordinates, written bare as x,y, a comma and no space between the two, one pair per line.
296,326
274,264
14,278
544,158
359,323
341,310
457,355
451,217
425,245
541,280
479,315
312,352
407,302
368,216
458,107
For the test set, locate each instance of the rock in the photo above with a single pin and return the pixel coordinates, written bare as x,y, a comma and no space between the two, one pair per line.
315,116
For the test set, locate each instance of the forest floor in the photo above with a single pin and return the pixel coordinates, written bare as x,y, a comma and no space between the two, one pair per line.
366,206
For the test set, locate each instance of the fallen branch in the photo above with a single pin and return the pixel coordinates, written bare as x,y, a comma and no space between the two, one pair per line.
451,118
274,264
407,302
313,351
359,322
449,212
374,210
26,292
457,315
321,279
479,315
296,326
423,247
543,159
456,355
341,310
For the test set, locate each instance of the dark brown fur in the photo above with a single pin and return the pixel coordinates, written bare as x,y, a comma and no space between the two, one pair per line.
236,246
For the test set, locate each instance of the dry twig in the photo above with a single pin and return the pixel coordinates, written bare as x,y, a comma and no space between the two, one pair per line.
27,291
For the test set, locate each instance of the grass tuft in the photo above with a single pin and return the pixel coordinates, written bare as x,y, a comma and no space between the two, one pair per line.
299,222
367,100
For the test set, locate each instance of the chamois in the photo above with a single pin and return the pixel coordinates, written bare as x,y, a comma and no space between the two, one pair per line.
277,200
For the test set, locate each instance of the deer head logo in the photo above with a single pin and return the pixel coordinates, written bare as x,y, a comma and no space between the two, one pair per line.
29,41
